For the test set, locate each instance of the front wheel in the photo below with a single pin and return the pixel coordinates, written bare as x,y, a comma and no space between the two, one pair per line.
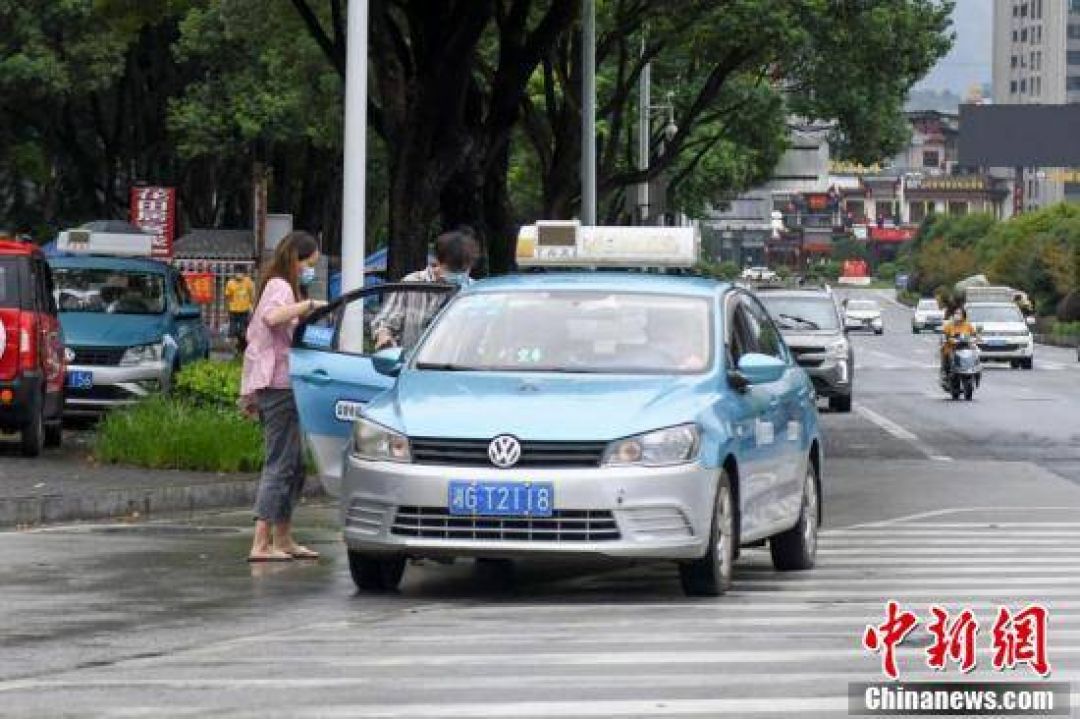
1027,363
376,573
954,388
796,548
711,575
841,403
969,387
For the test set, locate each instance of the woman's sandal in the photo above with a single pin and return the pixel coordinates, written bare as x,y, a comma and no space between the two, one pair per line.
302,552
273,556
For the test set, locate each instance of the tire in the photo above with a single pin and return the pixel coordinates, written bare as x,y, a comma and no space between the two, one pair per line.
879,332
1028,363
954,389
914,330
33,435
375,573
796,549
54,434
840,404
969,388
711,575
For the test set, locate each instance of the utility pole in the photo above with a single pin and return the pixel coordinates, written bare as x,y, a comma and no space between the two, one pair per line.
588,113
644,133
354,196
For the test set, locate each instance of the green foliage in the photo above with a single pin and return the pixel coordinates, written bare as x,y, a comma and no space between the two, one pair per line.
726,271
887,271
1068,310
209,383
1062,329
162,433
847,248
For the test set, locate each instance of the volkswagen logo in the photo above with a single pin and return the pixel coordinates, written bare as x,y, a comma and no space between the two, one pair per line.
69,355
504,451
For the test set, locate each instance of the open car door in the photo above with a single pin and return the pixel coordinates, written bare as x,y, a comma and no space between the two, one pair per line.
336,370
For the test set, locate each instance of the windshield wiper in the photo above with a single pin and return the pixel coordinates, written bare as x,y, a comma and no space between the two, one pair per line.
801,320
445,367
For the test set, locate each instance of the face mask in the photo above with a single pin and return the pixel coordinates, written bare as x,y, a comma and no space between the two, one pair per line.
307,276
456,278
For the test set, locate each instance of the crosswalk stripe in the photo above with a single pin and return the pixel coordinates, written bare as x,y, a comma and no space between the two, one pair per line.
779,643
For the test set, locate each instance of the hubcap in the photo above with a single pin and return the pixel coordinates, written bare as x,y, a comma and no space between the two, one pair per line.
810,520
724,521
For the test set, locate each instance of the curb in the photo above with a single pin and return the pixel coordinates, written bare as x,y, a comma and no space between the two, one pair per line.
135,502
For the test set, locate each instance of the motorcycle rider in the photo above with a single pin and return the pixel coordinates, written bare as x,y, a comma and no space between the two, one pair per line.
957,325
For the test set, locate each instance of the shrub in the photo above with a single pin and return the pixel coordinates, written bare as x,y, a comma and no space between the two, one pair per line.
887,271
1065,329
722,271
209,383
164,433
1068,310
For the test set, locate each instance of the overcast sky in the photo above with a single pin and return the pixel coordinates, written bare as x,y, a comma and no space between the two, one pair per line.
969,61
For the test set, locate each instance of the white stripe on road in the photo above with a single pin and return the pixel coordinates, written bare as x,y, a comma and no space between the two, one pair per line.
886,424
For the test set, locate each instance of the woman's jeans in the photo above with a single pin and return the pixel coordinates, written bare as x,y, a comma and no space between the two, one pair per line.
283,469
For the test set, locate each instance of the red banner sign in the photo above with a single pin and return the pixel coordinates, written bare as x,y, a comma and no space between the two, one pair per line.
201,287
891,234
153,209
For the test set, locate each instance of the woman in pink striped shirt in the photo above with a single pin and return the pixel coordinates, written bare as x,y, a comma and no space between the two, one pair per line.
265,388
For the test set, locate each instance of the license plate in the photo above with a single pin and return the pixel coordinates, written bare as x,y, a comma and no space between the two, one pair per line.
501,499
996,343
80,379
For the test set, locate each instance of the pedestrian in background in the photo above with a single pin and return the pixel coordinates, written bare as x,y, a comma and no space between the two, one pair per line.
240,299
266,391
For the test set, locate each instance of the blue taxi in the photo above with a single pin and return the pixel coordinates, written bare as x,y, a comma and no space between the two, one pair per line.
619,414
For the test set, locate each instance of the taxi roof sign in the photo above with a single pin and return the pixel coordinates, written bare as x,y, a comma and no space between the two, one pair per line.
115,244
570,244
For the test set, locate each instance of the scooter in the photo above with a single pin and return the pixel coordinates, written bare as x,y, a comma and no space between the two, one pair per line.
964,371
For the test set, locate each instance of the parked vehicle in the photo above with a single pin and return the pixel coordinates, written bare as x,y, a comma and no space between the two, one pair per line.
31,349
1004,334
759,274
928,316
863,315
603,413
130,326
963,372
810,323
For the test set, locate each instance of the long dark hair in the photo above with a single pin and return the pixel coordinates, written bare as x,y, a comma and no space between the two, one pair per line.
295,247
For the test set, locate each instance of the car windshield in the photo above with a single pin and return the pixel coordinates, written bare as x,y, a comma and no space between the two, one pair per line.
929,306
122,292
862,305
564,331
800,313
992,313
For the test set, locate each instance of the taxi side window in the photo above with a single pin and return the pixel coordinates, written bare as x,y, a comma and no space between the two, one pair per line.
766,336
743,340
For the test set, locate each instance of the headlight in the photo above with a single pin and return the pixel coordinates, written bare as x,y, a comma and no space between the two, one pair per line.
673,445
142,353
373,441
838,349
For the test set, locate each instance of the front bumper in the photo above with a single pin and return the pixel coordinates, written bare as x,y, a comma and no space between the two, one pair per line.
874,325
115,386
1013,348
929,323
832,378
647,513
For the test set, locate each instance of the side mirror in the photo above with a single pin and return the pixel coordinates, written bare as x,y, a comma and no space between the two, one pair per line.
761,369
388,361
1031,321
189,312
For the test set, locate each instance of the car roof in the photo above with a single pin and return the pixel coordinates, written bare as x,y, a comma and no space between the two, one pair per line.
17,247
810,294
602,281
109,263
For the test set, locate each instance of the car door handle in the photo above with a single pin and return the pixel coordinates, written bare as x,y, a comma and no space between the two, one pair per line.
318,376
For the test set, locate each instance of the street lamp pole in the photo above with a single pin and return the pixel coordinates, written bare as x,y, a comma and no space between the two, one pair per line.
644,132
588,113
353,210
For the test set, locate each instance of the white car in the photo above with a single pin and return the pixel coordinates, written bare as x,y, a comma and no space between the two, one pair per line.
759,274
1004,334
928,316
863,315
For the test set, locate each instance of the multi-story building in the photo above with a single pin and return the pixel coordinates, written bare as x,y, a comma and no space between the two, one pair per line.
1036,60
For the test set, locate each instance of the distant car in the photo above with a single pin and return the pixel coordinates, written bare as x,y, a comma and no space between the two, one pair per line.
810,324
928,316
759,274
130,325
863,315
31,349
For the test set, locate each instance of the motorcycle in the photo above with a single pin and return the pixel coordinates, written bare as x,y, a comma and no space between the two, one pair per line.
963,373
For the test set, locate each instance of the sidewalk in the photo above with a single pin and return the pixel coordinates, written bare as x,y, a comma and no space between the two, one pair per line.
64,486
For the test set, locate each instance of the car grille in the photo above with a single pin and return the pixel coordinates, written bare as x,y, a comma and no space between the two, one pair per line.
100,356
104,392
474,453
805,361
564,525
999,348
